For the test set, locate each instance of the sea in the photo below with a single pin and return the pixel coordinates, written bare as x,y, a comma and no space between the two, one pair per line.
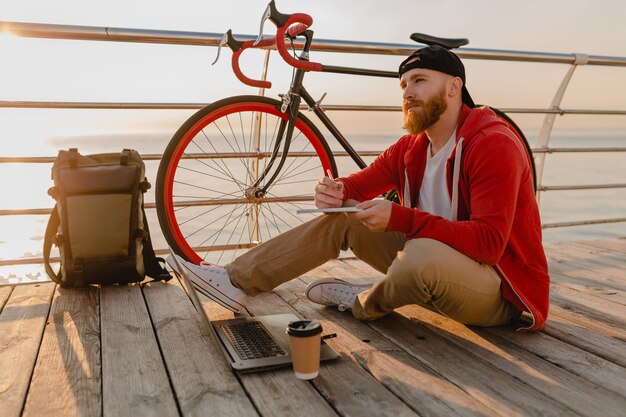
25,186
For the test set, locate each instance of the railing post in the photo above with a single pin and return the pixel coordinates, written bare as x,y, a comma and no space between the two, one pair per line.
548,121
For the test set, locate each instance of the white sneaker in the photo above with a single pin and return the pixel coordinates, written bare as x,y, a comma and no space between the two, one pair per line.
334,292
212,281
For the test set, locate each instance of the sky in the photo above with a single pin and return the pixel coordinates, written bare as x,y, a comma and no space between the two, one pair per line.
69,70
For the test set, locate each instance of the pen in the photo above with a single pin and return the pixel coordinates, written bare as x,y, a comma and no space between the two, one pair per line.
329,174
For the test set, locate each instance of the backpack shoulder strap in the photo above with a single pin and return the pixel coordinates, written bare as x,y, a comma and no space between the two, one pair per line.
152,263
51,231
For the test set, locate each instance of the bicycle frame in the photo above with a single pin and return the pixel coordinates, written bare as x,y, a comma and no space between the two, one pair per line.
291,103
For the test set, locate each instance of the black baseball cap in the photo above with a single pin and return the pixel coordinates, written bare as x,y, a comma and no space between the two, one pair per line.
437,58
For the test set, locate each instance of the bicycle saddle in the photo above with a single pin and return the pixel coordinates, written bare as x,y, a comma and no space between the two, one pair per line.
447,43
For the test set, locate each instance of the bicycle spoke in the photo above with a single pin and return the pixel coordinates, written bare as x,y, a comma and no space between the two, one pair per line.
290,212
220,193
243,135
228,222
288,175
202,228
227,172
243,231
244,164
302,163
208,224
265,148
286,169
201,214
227,176
267,207
264,207
230,126
215,150
204,173
229,238
208,198
297,205
270,149
252,133
316,168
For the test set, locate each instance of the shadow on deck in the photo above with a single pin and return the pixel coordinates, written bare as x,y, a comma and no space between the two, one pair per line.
139,350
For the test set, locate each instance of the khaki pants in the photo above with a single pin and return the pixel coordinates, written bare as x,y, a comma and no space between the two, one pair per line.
418,271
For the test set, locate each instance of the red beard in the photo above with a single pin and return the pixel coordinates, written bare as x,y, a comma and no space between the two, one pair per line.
415,122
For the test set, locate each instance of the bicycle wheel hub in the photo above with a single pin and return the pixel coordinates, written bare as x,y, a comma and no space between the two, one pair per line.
254,194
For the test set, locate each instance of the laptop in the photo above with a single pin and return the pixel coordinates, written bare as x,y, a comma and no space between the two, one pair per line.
249,343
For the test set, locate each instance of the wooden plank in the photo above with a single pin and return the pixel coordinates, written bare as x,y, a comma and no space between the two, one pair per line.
601,292
561,354
612,314
514,361
584,364
594,293
134,379
616,247
584,268
586,334
276,392
566,324
5,292
612,249
418,386
346,385
21,327
595,266
66,380
203,382
536,386
574,314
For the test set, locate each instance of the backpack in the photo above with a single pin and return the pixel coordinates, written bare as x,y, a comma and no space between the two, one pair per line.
98,222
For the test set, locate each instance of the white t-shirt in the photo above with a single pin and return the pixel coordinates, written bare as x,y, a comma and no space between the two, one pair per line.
434,197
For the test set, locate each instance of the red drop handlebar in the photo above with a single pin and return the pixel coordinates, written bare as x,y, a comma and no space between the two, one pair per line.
295,25
237,70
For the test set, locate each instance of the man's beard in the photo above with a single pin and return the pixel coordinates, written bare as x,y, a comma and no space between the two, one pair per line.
415,122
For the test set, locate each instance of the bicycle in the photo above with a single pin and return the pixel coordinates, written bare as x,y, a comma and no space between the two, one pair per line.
259,153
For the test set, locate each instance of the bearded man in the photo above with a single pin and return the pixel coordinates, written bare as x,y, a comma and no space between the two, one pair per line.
465,237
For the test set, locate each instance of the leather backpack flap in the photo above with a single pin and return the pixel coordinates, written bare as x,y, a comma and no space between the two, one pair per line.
100,209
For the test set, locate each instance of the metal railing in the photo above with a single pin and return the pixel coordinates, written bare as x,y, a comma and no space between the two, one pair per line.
93,33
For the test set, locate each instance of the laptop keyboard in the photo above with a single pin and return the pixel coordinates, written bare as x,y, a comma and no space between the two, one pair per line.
251,340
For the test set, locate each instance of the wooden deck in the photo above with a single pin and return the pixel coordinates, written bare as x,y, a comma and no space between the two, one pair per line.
138,351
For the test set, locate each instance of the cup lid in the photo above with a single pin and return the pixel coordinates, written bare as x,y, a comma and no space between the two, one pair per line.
304,328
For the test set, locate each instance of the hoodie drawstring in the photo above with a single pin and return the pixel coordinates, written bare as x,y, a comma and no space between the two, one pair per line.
406,201
454,208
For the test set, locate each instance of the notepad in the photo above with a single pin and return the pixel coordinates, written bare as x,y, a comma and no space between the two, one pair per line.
330,210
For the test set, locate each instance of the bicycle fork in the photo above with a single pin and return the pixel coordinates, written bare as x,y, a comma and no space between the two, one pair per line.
290,105
255,193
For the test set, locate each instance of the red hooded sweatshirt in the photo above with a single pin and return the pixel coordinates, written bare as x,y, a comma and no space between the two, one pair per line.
495,218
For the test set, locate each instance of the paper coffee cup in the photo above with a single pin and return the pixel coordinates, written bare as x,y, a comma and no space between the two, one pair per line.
305,341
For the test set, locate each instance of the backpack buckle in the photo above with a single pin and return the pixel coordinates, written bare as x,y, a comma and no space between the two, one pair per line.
53,192
58,239
145,186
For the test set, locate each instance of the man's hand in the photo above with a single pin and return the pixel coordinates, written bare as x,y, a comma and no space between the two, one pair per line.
328,193
375,215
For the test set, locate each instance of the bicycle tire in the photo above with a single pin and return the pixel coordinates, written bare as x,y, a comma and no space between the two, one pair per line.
208,165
